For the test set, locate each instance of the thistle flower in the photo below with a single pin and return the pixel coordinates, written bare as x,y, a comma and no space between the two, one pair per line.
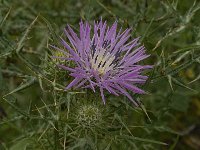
105,60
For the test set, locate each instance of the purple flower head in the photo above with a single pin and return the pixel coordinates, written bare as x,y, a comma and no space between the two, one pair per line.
107,60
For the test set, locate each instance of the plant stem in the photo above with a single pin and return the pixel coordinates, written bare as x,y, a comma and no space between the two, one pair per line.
56,136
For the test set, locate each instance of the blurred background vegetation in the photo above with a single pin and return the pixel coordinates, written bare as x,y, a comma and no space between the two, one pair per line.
169,29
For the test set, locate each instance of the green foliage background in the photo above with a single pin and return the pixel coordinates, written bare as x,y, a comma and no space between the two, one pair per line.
41,116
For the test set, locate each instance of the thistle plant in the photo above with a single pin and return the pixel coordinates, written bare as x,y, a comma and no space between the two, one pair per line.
106,60
126,81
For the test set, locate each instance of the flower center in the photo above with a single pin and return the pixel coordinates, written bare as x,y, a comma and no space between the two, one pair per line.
102,61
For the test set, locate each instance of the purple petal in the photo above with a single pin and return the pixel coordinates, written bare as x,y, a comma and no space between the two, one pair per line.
66,68
126,94
102,95
73,83
131,87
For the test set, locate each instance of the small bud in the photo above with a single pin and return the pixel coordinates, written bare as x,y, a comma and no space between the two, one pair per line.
89,116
